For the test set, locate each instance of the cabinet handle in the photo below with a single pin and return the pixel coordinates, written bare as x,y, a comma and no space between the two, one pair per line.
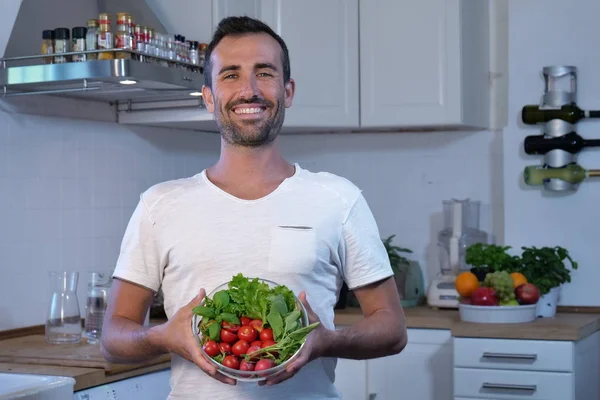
511,356
507,387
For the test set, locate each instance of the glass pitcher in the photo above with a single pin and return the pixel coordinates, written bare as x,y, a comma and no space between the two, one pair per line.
63,322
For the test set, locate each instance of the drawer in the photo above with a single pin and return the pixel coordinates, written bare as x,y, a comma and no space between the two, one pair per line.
528,355
502,384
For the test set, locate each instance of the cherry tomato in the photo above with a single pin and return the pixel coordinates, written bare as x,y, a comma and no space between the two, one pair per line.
225,347
231,362
263,364
247,333
268,343
240,347
251,350
266,334
245,320
211,348
230,327
246,366
257,343
257,324
227,336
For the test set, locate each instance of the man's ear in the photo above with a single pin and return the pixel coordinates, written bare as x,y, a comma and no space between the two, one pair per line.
208,99
290,89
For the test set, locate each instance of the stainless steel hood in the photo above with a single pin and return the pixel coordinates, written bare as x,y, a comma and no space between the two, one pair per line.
126,84
114,80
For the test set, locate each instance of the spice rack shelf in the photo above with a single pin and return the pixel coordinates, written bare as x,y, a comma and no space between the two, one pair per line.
127,77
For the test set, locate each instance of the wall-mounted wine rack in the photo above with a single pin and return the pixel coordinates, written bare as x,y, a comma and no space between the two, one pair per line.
558,142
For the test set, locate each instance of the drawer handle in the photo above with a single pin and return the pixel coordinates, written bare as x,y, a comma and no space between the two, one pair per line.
511,356
508,387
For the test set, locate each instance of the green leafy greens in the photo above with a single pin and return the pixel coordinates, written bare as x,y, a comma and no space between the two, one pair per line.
275,307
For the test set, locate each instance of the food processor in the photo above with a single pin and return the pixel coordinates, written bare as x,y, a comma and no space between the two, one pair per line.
461,230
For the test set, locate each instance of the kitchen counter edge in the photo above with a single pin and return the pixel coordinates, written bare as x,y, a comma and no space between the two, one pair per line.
564,326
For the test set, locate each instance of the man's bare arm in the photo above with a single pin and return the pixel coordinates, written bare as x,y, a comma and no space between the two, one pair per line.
126,340
381,332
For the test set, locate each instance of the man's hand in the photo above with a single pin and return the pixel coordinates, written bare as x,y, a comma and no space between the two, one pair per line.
313,348
177,337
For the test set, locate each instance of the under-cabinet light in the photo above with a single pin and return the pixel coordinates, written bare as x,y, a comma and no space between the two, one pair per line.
197,94
128,82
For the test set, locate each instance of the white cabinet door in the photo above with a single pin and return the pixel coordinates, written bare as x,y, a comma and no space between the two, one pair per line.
228,8
424,63
351,379
322,39
423,370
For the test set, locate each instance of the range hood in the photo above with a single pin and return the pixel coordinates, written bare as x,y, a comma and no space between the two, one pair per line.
141,89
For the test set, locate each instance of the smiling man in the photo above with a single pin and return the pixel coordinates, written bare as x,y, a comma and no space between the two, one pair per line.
252,213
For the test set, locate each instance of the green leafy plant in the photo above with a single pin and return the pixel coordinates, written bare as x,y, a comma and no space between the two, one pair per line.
398,262
492,257
545,266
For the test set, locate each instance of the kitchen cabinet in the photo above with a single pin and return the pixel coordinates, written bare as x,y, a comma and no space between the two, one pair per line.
322,39
533,369
371,65
226,8
383,64
424,63
423,370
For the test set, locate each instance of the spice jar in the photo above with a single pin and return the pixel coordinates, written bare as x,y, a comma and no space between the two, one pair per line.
105,37
47,45
122,36
194,56
79,34
62,44
91,38
202,53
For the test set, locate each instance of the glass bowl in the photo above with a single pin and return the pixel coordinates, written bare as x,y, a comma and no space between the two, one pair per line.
239,375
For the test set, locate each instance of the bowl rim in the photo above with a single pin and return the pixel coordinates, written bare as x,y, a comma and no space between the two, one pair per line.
520,307
235,373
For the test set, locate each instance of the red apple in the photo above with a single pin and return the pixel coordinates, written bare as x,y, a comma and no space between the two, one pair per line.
484,296
527,293
464,300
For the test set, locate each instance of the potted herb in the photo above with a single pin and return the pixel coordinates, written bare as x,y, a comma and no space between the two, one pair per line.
398,262
486,258
399,265
545,267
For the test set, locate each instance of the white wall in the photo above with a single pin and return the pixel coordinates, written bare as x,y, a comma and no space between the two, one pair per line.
542,33
68,189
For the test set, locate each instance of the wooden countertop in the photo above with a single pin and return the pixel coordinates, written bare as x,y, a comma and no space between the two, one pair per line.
84,362
564,326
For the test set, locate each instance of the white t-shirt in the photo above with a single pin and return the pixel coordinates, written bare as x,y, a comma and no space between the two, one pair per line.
311,233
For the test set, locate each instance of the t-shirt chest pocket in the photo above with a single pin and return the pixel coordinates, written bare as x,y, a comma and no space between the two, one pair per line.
293,249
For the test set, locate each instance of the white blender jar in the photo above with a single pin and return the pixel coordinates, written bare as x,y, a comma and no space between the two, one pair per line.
461,230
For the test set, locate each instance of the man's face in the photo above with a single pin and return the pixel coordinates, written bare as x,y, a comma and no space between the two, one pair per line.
248,95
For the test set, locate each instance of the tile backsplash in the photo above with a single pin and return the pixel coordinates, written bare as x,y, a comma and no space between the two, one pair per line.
69,188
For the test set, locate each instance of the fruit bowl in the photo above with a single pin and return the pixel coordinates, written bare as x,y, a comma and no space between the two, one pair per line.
497,314
237,372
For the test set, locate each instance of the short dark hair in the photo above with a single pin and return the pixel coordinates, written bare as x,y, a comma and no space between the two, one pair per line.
239,26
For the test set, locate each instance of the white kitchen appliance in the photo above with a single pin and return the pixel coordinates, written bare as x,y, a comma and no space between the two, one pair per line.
461,229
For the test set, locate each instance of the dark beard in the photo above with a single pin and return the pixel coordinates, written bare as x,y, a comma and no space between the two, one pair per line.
252,134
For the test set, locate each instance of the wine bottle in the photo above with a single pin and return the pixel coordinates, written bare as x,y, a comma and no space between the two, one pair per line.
572,173
571,113
571,142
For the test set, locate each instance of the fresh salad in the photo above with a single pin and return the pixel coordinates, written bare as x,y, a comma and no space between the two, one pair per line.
250,326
